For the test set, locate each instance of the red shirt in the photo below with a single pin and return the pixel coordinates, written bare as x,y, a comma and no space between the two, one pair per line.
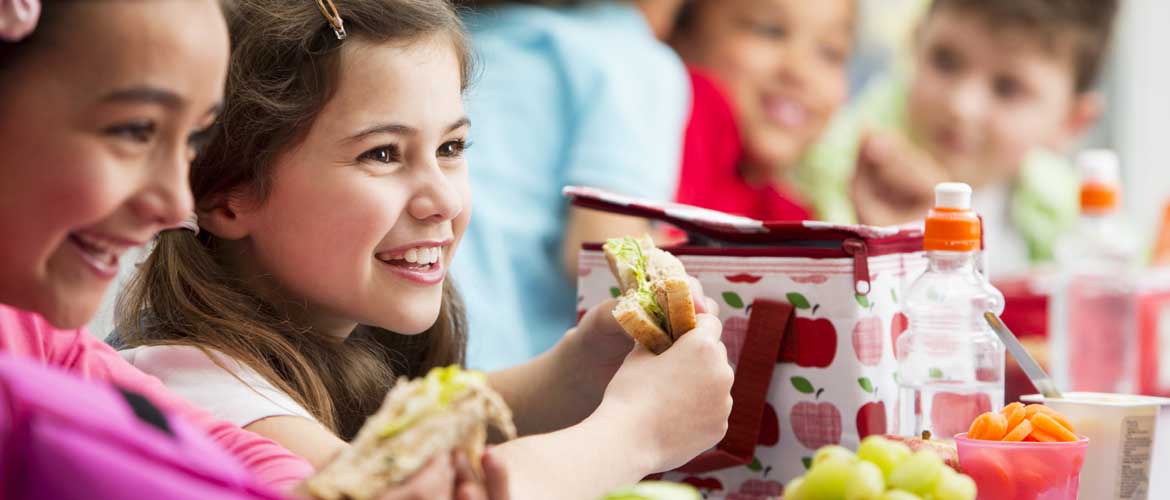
712,154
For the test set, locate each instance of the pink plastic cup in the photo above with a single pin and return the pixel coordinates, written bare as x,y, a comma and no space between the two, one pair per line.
1023,470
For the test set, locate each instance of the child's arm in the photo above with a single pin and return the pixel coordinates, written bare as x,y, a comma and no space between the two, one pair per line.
565,384
304,437
591,225
633,432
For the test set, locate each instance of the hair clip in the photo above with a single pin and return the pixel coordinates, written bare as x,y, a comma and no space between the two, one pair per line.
191,223
18,19
334,18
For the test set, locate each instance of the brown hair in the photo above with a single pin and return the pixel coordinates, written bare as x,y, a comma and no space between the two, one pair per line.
1084,27
284,67
542,3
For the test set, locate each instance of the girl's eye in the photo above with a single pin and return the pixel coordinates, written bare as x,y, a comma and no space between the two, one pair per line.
1007,88
768,30
198,140
453,149
142,131
381,154
834,55
944,59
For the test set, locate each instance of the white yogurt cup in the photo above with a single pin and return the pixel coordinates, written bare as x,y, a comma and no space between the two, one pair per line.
1121,431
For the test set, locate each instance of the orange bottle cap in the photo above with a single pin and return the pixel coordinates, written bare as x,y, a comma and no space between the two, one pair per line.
952,226
1100,179
1099,197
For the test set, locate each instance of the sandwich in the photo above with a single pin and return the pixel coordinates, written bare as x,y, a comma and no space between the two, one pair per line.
448,410
655,307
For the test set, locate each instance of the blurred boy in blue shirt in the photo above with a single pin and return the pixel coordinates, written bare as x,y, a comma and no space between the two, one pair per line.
582,95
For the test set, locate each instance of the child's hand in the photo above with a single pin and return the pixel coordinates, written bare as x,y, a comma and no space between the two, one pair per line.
494,485
450,477
447,477
894,182
676,404
599,345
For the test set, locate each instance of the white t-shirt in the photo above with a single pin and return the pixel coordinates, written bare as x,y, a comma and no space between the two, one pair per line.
1006,250
237,394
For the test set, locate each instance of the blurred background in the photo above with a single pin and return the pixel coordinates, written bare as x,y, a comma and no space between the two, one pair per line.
1135,82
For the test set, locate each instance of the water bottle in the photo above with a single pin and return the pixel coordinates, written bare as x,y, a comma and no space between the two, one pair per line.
950,363
1092,309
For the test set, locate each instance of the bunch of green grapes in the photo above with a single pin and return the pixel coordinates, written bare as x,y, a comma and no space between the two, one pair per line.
881,470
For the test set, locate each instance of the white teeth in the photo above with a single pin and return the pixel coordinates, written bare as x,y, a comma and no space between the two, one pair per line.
421,256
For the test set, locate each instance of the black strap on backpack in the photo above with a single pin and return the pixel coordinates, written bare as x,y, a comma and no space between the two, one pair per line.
146,411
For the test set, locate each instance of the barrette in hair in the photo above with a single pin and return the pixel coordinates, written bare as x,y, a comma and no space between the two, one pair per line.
191,223
329,10
18,19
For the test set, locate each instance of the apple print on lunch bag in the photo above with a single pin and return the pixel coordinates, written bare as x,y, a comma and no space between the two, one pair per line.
810,316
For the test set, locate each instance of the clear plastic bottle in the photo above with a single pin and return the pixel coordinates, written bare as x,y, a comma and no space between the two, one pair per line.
1092,309
950,363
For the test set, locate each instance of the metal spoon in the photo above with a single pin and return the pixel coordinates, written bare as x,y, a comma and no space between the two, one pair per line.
1032,369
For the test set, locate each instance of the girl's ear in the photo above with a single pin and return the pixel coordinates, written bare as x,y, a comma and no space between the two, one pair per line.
1086,109
228,217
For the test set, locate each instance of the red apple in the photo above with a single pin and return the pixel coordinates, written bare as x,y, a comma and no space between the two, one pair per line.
867,341
871,419
812,343
816,424
704,483
952,413
898,325
769,427
761,488
743,278
945,450
734,333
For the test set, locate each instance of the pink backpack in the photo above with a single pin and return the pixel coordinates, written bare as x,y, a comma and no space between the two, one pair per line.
62,437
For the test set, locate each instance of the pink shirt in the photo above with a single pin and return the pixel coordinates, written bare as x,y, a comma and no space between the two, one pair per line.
27,334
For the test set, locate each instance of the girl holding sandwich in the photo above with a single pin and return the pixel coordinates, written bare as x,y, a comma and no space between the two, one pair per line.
330,200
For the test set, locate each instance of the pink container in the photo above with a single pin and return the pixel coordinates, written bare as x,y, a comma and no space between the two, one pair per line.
1023,471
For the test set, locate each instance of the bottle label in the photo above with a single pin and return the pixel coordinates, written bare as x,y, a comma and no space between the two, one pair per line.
1137,441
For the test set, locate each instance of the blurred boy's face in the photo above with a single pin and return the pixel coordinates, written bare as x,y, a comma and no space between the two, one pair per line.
782,64
982,98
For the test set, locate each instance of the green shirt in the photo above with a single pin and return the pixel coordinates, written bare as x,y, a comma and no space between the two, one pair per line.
1044,193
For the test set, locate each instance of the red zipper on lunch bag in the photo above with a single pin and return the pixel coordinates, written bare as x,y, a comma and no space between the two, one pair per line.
858,248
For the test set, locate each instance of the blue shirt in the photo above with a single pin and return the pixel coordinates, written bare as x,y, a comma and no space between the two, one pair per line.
581,96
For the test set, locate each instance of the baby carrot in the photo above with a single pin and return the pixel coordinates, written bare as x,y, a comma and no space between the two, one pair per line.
989,427
1015,414
1051,426
1020,432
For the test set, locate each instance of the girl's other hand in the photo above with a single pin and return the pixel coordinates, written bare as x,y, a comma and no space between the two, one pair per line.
494,485
436,480
598,346
648,392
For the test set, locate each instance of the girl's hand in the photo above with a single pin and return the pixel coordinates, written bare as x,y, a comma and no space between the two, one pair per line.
675,404
447,477
494,485
598,346
450,477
